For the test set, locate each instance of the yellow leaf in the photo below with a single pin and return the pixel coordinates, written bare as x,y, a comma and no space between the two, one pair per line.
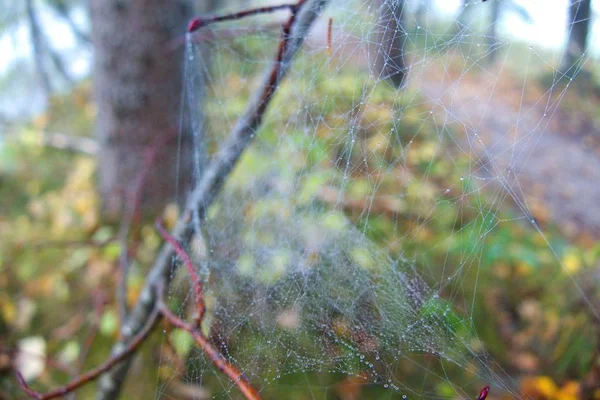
545,386
170,215
572,262
569,391
523,268
8,309
363,258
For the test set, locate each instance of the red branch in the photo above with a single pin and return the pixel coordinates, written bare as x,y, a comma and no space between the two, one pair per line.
219,172
200,22
203,342
93,374
25,388
183,255
213,354
208,187
272,81
484,393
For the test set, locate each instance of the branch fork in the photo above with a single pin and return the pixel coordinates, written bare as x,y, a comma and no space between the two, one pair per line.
151,307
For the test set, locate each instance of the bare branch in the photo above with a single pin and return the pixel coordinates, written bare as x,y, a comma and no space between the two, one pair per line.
31,393
294,34
131,216
200,22
37,46
209,35
63,12
93,374
234,374
58,62
187,261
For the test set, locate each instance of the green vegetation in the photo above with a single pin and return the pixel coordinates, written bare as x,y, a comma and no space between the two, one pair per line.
403,183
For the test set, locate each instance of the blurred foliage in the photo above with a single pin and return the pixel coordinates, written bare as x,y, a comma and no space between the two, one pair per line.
58,262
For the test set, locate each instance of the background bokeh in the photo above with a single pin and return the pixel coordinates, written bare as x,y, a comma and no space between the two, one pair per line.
452,214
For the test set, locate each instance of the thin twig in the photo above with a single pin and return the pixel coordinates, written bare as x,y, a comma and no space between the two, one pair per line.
73,243
99,298
187,261
209,35
200,22
58,62
211,352
37,47
63,12
31,393
131,216
93,374
234,374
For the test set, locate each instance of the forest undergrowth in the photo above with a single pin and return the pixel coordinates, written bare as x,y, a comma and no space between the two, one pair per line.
55,246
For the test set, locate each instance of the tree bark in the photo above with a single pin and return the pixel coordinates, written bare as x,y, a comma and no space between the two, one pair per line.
392,38
577,29
492,35
137,83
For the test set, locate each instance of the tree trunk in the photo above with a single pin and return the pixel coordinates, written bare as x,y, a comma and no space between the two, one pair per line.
137,79
392,38
578,28
492,35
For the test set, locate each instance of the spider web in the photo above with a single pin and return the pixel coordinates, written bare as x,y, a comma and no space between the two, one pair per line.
312,257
